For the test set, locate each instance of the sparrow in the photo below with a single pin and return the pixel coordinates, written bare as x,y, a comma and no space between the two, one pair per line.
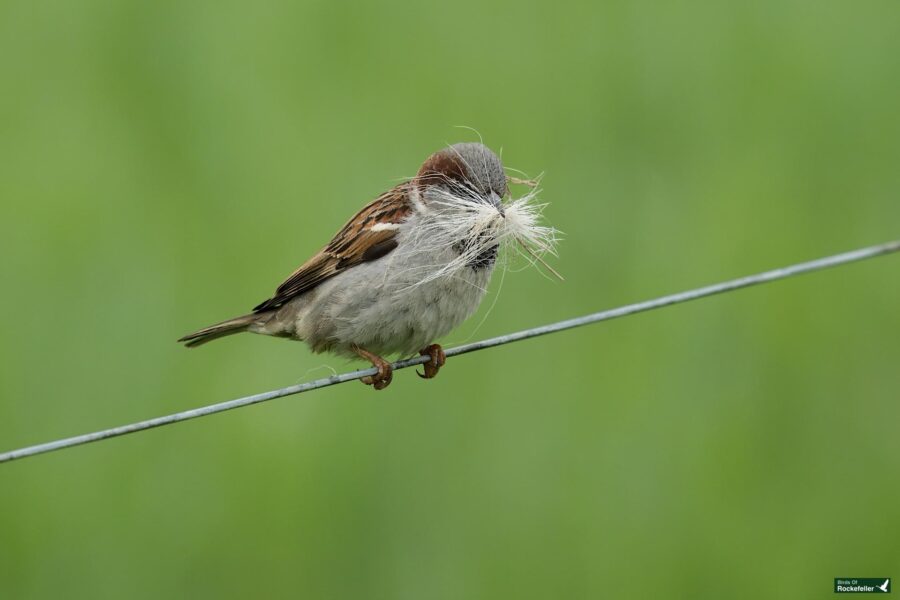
405,270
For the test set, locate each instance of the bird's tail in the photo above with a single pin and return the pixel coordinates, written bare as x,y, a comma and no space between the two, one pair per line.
213,332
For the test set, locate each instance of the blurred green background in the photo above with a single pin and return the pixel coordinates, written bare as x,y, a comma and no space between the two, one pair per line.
165,164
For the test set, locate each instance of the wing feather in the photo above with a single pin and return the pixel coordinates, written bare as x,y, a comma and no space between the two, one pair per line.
359,241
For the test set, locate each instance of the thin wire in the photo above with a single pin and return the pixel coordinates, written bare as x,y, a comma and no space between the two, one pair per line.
606,315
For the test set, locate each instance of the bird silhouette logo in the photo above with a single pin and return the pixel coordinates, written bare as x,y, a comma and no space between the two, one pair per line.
884,587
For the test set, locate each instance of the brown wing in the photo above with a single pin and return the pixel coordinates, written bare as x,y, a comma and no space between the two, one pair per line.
357,242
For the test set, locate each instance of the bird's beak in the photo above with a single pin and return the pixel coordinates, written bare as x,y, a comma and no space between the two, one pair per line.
497,203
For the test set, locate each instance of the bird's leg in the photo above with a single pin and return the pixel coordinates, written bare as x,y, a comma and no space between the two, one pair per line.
436,353
385,374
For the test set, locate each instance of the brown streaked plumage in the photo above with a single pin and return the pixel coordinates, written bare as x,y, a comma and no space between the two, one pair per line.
359,240
355,243
345,299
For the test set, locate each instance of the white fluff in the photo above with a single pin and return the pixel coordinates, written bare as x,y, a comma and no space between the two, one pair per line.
421,290
459,218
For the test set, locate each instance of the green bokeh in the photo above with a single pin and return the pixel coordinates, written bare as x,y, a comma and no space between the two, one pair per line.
165,164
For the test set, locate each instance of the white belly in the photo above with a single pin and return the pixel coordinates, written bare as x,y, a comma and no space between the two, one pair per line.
384,307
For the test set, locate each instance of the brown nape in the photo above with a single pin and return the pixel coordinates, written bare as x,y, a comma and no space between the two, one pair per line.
440,167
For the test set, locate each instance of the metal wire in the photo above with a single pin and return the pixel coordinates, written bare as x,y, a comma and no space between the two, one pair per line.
606,315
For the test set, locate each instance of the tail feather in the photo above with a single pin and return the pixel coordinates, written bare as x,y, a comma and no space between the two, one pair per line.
214,332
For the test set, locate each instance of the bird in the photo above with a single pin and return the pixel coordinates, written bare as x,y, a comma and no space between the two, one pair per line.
406,269
884,586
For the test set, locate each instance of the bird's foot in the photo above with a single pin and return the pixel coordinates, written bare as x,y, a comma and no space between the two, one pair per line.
438,358
385,373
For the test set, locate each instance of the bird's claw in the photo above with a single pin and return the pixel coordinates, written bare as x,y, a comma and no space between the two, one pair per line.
437,360
385,374
382,379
